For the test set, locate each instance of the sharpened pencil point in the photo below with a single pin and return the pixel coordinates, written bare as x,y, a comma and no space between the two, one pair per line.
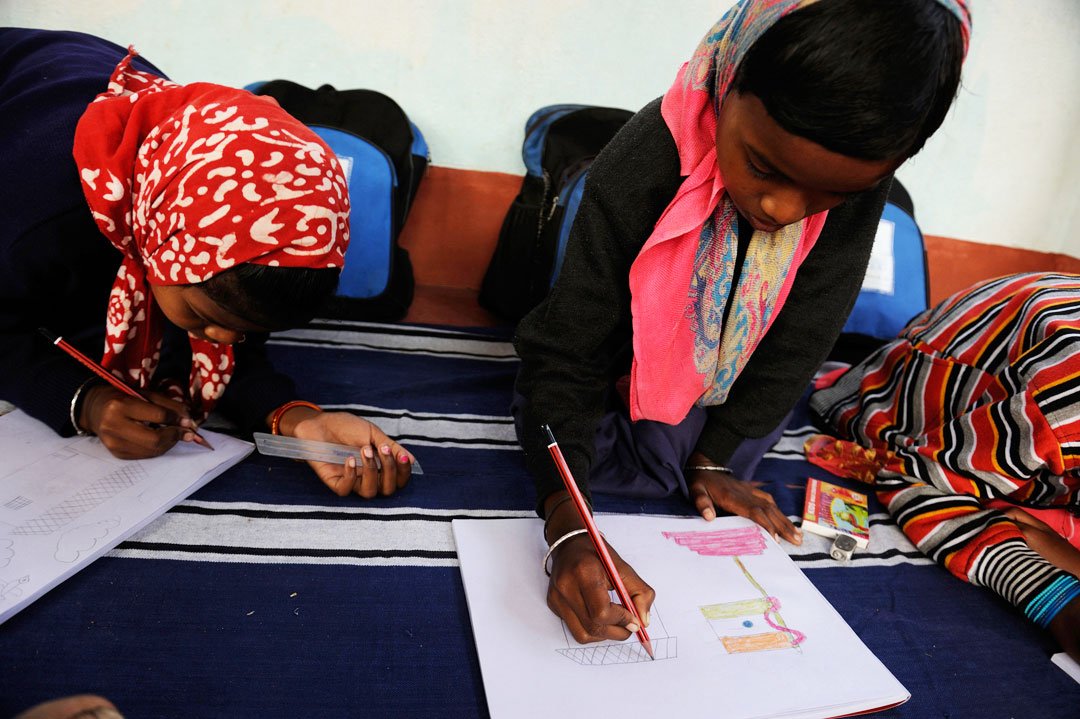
199,439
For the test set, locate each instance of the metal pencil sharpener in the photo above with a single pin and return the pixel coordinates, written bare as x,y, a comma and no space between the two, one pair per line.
842,548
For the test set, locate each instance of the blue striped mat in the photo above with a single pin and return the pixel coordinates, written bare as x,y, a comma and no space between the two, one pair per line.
264,595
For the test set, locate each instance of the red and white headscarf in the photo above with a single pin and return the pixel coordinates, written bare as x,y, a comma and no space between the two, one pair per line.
189,181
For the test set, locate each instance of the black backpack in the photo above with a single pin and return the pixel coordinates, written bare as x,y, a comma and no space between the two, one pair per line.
560,144
385,156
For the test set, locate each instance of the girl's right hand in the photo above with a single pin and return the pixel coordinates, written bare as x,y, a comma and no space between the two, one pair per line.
579,589
579,593
131,428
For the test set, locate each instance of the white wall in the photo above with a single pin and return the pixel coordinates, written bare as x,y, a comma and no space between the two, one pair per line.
1004,168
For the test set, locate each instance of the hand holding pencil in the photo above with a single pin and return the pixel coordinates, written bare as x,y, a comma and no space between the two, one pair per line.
585,569
131,424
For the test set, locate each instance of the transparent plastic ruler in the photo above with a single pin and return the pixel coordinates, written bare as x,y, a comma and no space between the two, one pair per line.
276,445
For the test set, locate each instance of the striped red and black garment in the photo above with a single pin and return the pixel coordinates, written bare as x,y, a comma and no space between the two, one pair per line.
979,400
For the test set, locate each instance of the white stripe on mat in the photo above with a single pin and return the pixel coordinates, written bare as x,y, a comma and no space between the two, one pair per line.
298,534
888,547
397,338
402,536
428,429
791,443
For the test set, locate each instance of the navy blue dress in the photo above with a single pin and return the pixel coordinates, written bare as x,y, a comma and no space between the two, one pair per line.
56,268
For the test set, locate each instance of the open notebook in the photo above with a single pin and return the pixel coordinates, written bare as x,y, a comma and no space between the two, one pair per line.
737,629
65,502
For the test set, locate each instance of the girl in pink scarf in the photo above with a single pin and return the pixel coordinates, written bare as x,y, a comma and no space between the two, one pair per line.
788,111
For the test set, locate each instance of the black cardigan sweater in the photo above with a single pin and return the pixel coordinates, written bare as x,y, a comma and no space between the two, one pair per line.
578,341
56,268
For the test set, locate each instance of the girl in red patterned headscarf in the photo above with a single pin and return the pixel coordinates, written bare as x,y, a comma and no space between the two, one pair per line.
189,182
230,216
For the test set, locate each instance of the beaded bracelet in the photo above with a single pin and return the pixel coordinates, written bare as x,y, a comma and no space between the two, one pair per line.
1051,600
275,419
709,468
556,543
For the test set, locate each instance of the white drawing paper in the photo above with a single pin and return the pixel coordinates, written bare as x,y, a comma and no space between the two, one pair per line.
66,501
1068,665
738,629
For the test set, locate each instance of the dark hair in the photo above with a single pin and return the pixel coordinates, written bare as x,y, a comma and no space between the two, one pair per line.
273,297
864,78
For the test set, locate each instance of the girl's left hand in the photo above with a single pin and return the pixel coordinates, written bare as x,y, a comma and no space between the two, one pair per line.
1066,628
360,475
1041,537
711,490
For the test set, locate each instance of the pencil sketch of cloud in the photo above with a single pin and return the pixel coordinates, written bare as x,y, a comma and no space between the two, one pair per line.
7,551
79,540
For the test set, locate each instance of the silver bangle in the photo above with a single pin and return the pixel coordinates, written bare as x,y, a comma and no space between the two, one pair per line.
709,468
556,543
75,405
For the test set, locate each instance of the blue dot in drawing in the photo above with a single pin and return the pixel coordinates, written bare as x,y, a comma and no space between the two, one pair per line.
747,623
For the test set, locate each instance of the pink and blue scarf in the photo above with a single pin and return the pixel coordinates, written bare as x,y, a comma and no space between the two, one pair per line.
680,282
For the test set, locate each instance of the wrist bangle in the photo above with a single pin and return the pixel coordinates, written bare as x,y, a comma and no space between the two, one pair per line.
76,405
709,468
556,543
275,418
551,512
1051,600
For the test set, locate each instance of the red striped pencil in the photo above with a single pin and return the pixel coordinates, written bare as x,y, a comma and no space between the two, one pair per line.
597,540
106,374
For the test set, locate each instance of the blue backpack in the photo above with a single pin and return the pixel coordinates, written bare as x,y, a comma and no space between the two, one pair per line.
896,286
384,157
560,144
